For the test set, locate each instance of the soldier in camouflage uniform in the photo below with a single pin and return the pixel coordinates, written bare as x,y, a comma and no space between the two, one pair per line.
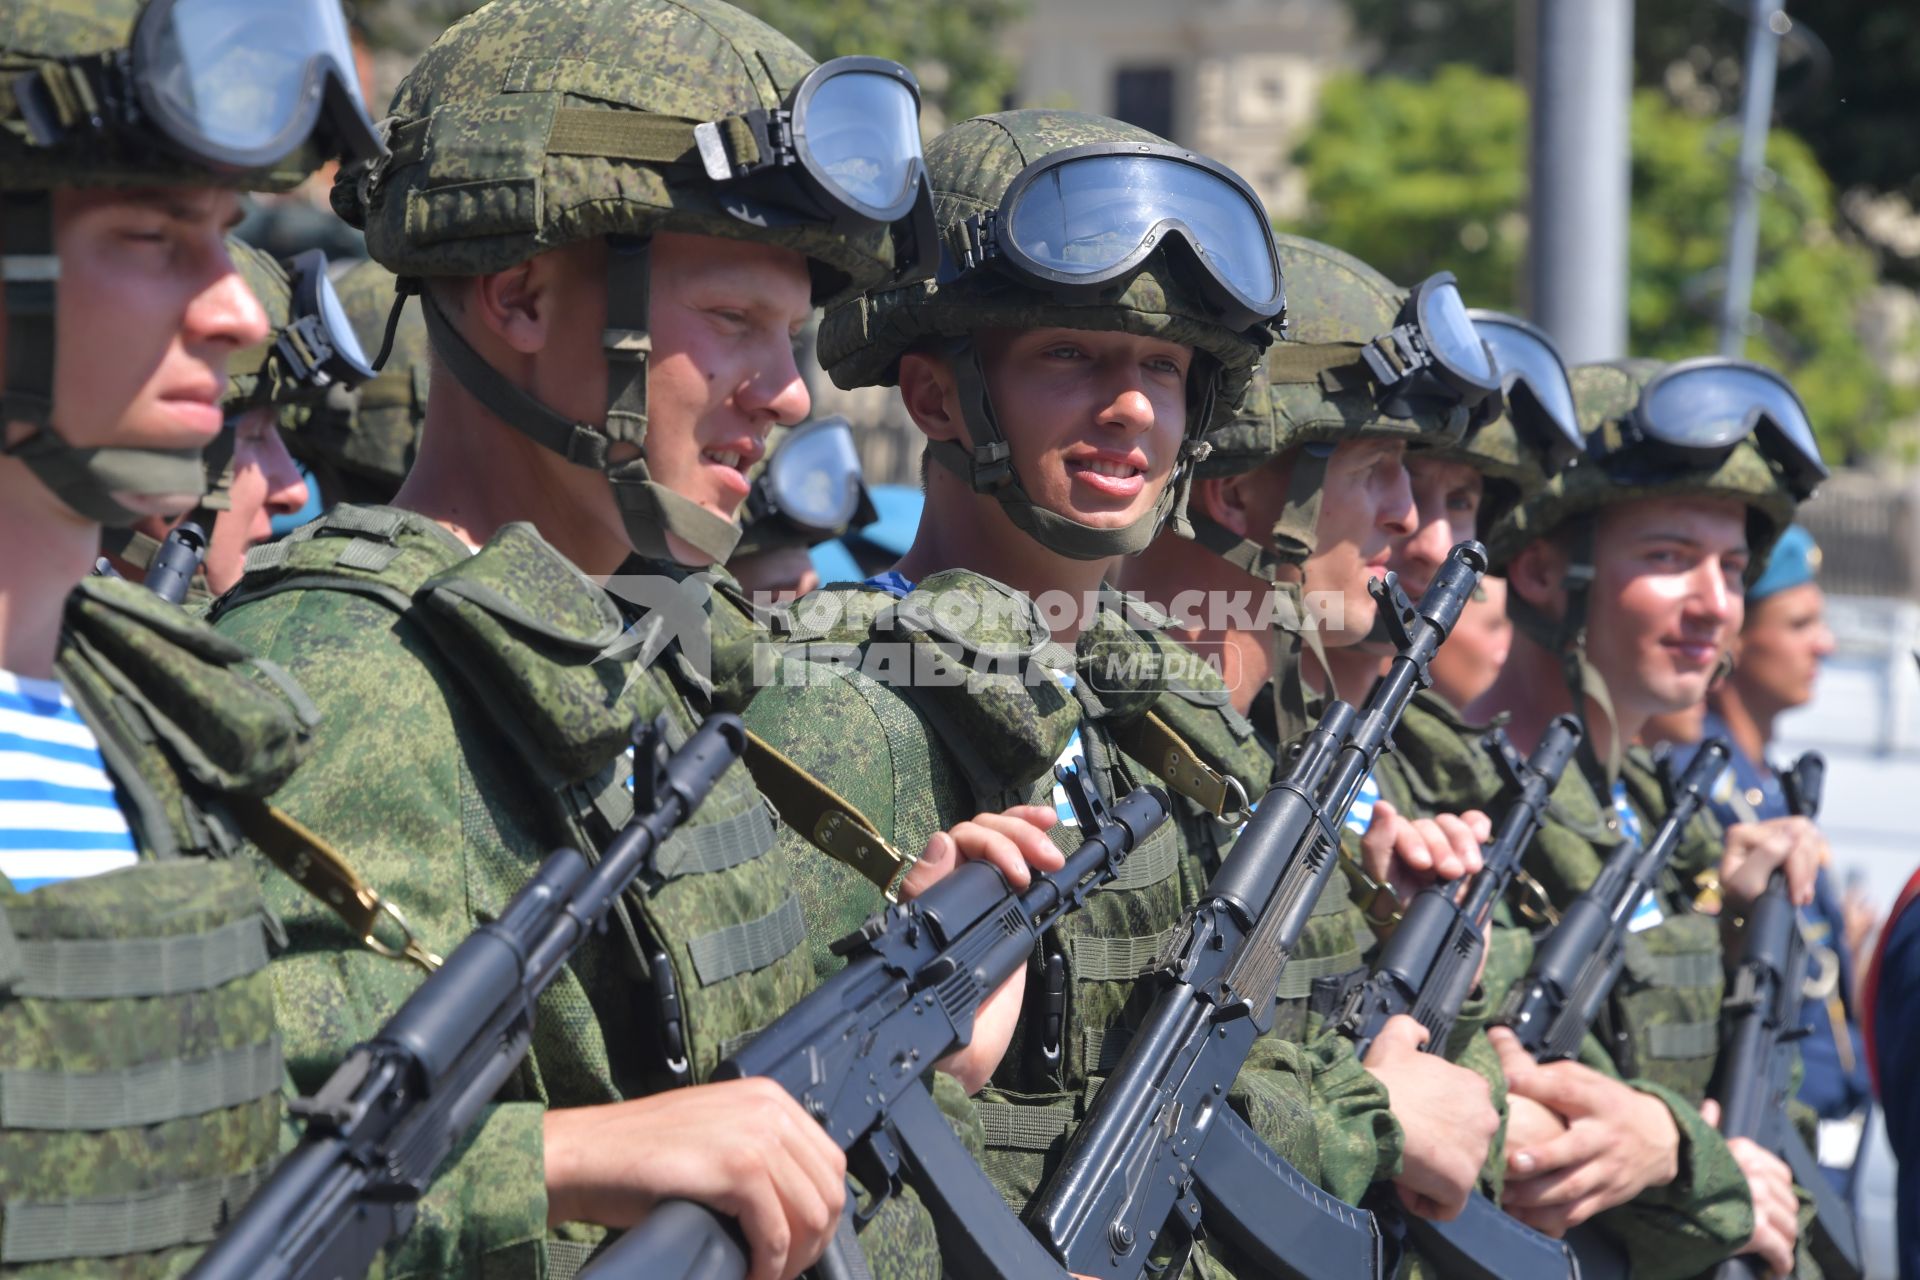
141,1066
1065,421
611,330
358,442
1687,1197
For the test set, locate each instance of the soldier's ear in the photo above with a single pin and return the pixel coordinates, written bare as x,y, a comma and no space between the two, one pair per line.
931,395
1223,500
1538,575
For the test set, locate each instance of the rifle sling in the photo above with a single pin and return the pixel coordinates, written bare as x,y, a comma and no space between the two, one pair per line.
824,817
1153,742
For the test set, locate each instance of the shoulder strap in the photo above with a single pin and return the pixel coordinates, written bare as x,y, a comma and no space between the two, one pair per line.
825,818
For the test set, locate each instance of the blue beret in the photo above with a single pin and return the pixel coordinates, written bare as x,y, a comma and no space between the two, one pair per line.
1795,562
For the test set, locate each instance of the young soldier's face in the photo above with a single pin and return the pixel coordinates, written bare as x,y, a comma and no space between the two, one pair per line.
1778,655
1366,507
149,310
1447,497
1095,418
265,484
725,314
1667,597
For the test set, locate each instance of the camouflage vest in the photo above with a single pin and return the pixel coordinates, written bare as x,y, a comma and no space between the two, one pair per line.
710,942
967,664
140,1069
1661,1023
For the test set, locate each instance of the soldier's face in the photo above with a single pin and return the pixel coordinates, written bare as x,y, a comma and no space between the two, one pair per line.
724,319
1667,598
1778,654
1366,506
265,484
1447,497
1095,418
149,309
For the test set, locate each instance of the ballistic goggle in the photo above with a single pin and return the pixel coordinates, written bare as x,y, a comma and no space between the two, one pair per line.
844,149
234,85
1694,413
814,482
319,348
1075,222
1539,399
1432,354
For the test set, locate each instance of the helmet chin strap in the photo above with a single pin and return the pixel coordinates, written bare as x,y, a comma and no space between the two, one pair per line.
1293,542
649,510
87,480
1567,637
988,468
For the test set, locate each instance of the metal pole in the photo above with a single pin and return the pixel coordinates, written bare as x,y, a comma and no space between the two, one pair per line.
1582,86
1764,23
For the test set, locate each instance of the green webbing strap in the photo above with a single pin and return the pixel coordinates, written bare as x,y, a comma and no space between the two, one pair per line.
734,1044
153,1093
568,1258
117,968
1683,1040
31,271
643,136
1688,969
12,964
748,946
1108,959
346,520
1102,1048
1308,363
716,846
1023,1128
827,820
1297,979
1151,863
110,1226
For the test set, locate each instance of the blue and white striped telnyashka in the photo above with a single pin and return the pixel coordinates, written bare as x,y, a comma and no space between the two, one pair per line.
58,815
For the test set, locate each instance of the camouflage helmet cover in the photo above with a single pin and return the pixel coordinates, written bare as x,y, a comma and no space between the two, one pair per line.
507,139
36,35
1336,301
1605,396
269,284
971,167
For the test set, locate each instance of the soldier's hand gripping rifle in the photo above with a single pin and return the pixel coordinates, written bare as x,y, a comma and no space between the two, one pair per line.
387,1117
1161,1140
1427,970
855,1051
1763,1020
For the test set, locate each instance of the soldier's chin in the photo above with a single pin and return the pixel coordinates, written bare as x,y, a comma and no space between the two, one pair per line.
157,504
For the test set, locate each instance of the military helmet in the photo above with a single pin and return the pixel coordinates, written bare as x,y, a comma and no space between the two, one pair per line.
114,93
361,442
1032,235
1606,397
528,126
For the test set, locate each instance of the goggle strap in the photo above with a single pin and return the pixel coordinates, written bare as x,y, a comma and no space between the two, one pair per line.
32,272
1310,363
1396,355
577,442
725,148
61,95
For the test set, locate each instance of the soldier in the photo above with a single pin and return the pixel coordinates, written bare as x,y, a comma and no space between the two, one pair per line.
1066,390
250,476
1667,528
612,337
137,1042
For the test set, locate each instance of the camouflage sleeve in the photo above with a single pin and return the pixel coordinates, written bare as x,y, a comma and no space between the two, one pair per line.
1360,1141
384,786
1698,1219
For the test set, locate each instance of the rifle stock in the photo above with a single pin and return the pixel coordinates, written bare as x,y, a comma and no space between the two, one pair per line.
1146,1152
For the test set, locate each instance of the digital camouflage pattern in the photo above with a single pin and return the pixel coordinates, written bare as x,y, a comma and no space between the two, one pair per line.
477,716
970,167
914,760
482,174
1605,396
1661,1029
360,443
143,1096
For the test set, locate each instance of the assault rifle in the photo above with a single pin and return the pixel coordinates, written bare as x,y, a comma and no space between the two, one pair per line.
387,1117
1427,970
1161,1141
1763,1021
854,1053
178,558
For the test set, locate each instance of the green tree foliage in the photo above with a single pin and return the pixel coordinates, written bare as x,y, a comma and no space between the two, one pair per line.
1420,176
